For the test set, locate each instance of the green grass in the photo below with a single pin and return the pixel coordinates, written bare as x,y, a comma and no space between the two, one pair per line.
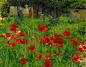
10,56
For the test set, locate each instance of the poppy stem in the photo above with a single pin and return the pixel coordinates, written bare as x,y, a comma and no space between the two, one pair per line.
6,60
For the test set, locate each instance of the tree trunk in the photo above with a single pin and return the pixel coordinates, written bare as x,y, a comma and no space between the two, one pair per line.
55,12
37,10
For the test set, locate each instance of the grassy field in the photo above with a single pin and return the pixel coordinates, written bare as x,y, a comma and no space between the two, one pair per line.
34,45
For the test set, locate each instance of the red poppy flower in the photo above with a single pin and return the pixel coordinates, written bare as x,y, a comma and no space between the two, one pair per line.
75,59
36,38
60,42
24,41
71,62
78,57
74,42
81,49
42,26
11,44
21,41
62,46
47,56
66,33
82,43
13,27
55,44
57,40
56,53
51,37
11,37
55,34
35,34
4,35
81,57
17,40
40,29
43,36
23,60
68,38
46,29
84,47
48,63
76,49
39,56
31,39
59,35
42,41
8,34
46,40
49,44
21,34
32,48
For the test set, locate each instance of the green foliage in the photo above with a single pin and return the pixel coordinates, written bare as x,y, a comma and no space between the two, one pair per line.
78,4
64,11
63,19
82,29
74,28
5,10
36,16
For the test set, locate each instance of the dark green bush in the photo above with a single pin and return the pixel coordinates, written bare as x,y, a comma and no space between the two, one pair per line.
5,10
82,30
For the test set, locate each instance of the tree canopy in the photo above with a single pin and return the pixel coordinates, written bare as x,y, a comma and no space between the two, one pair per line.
50,3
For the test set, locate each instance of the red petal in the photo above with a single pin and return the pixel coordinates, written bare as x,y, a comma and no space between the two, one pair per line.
8,34
76,49
13,44
22,63
71,62
42,26
66,33
46,29
11,36
21,34
3,36
40,29
14,26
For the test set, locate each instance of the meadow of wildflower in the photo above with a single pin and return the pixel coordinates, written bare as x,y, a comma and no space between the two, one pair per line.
41,43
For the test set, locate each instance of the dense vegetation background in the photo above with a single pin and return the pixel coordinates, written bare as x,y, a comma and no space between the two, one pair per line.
47,5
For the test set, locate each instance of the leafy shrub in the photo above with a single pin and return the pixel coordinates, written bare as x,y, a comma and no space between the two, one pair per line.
65,11
52,21
82,29
63,19
5,10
